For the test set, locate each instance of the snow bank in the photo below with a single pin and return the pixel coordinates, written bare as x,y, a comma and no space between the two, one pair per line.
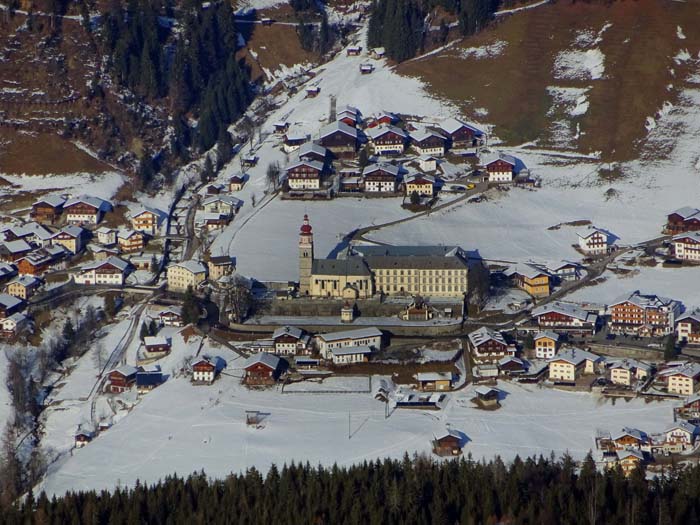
579,65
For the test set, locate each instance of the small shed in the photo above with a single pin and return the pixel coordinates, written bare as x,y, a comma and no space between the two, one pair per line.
447,444
435,380
487,396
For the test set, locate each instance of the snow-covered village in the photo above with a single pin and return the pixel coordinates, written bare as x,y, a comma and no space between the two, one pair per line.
361,260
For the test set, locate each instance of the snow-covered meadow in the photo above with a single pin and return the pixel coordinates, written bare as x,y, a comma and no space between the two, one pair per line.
182,428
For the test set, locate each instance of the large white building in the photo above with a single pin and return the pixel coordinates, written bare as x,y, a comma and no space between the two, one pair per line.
111,271
686,246
185,274
362,337
593,241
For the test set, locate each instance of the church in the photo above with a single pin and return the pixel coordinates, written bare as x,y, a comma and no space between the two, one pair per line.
428,271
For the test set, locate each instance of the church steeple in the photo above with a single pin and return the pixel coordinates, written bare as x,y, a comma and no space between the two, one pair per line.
306,256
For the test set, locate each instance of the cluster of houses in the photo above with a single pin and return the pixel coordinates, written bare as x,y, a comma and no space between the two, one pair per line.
548,353
684,225
631,448
402,158
194,273
63,228
218,206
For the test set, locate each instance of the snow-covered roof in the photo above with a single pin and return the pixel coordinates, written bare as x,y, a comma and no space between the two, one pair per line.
483,390
548,335
567,309
385,167
112,260
631,365
7,269
693,236
686,212
16,246
318,166
434,376
160,215
155,340
295,134
338,126
683,425
125,234
485,334
263,358
493,157
374,133
511,359
447,433
575,356
17,318
176,310
526,270
422,134
419,178
8,301
690,370
630,453
293,331
226,199
26,280
452,125
125,370
351,350
629,432
311,147
192,266
95,202
645,300
359,333
693,315
591,230
52,200
72,230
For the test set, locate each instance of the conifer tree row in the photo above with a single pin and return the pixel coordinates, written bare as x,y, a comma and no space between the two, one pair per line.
416,490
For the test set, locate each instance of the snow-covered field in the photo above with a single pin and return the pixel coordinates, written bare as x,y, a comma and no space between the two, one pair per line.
103,185
181,428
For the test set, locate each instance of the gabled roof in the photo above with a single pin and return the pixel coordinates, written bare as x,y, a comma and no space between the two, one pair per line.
575,356
547,334
7,269
694,236
567,309
17,246
125,370
72,230
387,168
226,199
447,433
585,234
17,318
690,316
95,202
126,234
419,178
338,126
452,125
629,432
263,358
112,260
355,266
192,266
493,157
359,333
483,335
311,147
293,331
26,281
377,132
683,425
630,364
421,135
511,359
318,166
483,390
687,212
645,300
625,454
54,201
175,310
160,215
690,370
526,270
